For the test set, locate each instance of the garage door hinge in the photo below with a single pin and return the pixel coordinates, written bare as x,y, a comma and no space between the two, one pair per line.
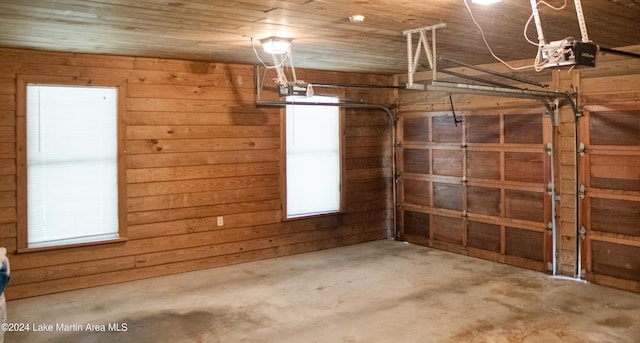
583,233
581,149
551,188
582,191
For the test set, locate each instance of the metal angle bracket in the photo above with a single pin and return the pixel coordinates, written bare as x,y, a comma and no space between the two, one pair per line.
555,115
575,99
416,86
423,42
553,110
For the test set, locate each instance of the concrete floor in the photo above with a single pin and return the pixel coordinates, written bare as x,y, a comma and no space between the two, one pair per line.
382,291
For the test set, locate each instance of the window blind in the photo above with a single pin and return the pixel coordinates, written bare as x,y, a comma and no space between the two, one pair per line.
313,157
72,193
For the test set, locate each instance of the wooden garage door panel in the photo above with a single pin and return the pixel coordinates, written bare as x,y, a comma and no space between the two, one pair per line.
416,192
416,129
523,129
483,165
506,168
416,161
524,167
524,243
615,216
615,128
484,236
524,205
611,207
484,200
446,229
616,260
615,172
447,196
447,162
416,223
444,130
483,129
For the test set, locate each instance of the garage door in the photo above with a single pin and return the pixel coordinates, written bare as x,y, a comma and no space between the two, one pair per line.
610,192
478,188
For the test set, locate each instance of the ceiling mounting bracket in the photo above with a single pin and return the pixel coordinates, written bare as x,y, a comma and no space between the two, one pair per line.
430,51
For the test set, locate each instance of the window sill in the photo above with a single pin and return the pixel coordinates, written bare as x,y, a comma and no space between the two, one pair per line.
311,216
68,246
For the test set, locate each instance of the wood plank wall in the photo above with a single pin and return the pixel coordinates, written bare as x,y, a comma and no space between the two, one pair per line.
197,148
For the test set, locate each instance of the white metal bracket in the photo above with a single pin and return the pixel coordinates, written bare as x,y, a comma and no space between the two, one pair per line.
555,116
581,23
430,51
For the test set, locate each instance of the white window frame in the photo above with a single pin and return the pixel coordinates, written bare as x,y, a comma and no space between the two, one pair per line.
289,210
23,81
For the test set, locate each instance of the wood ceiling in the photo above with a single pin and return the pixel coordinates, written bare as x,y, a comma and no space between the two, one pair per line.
323,36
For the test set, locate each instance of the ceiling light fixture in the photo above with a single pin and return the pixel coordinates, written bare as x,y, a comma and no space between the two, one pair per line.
275,45
485,2
280,51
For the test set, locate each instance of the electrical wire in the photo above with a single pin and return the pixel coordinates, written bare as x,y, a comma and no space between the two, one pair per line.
279,65
279,62
526,26
487,44
559,8
538,65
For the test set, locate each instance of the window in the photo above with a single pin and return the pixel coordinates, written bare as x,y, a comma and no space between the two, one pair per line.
313,168
71,173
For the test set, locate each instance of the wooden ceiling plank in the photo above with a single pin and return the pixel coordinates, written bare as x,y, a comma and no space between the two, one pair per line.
323,36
